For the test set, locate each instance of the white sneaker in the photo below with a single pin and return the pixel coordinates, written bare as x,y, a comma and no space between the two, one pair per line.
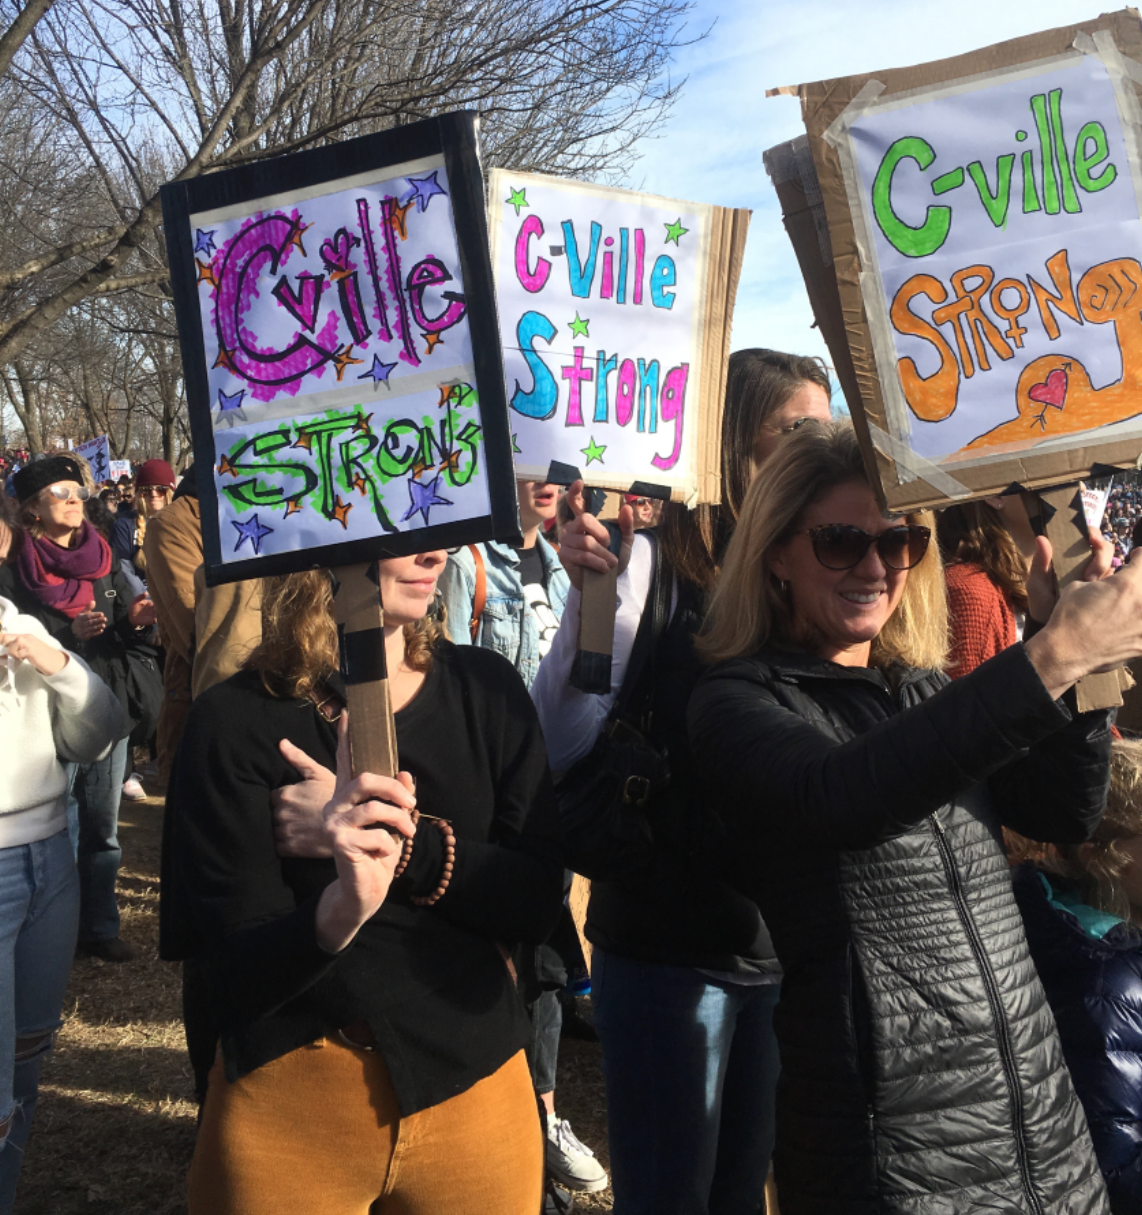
571,1163
133,789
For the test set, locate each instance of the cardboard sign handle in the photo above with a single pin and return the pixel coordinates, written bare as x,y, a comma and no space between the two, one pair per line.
1063,521
360,618
597,606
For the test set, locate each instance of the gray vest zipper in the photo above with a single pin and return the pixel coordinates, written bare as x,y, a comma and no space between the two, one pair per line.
1006,1054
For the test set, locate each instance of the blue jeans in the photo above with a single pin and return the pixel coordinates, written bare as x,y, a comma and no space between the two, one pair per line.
39,911
690,1067
97,790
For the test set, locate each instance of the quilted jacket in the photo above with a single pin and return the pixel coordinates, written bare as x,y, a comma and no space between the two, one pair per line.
1093,981
921,1069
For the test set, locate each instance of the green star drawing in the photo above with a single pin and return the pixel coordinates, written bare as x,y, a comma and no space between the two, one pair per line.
515,446
593,451
518,199
579,326
675,230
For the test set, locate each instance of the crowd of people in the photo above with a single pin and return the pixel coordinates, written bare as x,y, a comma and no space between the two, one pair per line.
866,884
1120,522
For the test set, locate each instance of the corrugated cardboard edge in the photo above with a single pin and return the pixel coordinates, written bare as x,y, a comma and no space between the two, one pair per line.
728,231
821,104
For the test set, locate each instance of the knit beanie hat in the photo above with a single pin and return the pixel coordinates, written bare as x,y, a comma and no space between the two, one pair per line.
41,473
155,472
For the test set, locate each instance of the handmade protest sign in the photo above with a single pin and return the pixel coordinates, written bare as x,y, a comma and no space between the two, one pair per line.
119,468
337,323
615,311
985,227
97,453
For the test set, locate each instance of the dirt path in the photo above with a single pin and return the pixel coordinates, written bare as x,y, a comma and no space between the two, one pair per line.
114,1129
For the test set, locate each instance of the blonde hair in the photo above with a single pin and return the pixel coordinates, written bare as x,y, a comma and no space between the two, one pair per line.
142,513
1097,866
298,650
748,608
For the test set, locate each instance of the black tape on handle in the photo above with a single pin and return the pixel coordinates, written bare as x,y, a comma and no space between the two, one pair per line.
362,655
591,673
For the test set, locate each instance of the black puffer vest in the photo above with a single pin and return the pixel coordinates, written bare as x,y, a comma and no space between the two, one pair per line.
921,1069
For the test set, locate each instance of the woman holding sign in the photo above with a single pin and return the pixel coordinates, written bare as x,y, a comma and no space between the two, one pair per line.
921,1069
370,1035
684,978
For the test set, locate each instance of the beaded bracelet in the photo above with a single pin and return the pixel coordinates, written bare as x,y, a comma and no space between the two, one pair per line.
406,845
427,900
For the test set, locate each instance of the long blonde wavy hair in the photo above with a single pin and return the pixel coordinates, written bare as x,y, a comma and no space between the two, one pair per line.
298,650
748,608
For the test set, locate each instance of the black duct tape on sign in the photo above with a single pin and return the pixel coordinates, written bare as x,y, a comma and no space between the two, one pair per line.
591,673
362,655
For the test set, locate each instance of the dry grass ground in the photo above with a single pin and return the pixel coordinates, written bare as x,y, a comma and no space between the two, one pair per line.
114,1129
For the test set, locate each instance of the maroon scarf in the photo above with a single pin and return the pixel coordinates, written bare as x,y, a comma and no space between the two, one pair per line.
61,578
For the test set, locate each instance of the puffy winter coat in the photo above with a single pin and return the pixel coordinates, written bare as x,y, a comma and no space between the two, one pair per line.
921,1072
1092,973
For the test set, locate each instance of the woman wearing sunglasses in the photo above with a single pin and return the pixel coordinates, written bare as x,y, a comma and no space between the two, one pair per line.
921,1070
67,578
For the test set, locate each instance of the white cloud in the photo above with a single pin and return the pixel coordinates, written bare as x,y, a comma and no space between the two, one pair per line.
710,149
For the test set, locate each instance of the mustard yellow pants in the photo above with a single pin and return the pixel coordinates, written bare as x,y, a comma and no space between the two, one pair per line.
318,1132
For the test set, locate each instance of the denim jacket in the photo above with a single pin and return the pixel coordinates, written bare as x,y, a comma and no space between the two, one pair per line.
507,625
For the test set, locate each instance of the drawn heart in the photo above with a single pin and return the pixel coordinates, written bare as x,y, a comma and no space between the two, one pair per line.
1053,391
335,252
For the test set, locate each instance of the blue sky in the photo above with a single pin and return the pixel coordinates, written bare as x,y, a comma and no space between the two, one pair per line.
710,148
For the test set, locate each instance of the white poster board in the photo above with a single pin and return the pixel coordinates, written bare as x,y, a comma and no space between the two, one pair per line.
97,453
602,303
337,325
998,222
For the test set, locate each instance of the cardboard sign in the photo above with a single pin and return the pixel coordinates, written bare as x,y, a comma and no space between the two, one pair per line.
615,312
337,322
985,225
119,468
98,454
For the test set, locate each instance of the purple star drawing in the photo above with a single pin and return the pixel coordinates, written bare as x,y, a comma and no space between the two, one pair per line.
379,372
204,241
424,189
252,530
423,497
233,401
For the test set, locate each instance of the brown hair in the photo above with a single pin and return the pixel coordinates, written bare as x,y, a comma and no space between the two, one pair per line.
298,649
758,384
974,532
1096,867
748,607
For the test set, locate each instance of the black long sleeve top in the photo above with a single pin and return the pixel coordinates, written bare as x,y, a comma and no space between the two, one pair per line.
430,982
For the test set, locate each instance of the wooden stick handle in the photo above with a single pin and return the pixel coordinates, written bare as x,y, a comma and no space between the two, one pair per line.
360,618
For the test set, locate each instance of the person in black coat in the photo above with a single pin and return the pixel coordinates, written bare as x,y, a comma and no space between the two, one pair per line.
1082,911
921,1068
370,1037
64,574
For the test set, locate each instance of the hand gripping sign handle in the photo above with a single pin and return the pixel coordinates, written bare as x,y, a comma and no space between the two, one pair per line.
360,619
1058,514
591,671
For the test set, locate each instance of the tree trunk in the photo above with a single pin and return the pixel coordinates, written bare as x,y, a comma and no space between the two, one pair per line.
27,408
